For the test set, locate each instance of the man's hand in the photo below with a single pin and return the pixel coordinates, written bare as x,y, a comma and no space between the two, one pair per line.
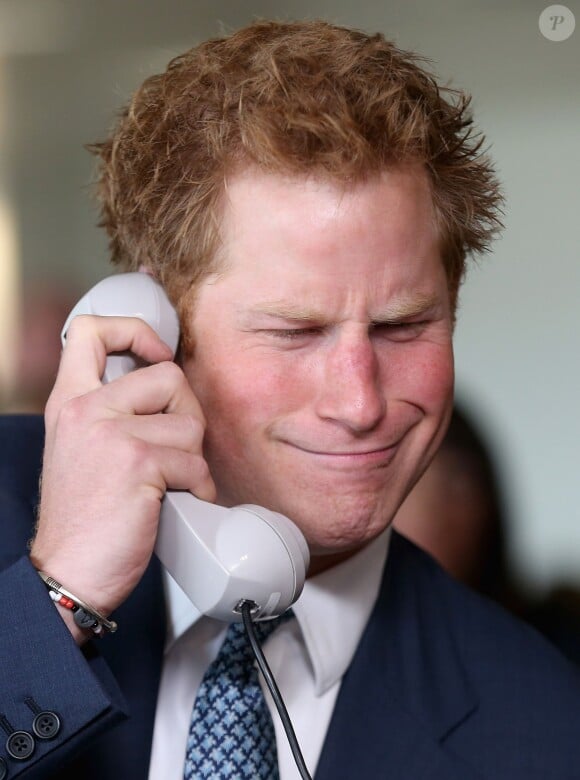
111,453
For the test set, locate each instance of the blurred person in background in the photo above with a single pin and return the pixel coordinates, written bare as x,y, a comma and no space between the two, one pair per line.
456,512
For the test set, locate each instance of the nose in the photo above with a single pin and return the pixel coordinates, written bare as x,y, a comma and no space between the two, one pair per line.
352,392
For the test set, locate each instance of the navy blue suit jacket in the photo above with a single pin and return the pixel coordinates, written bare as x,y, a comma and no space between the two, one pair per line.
443,686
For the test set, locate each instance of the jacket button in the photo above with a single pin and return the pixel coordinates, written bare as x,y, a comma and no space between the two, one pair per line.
20,745
3,769
46,725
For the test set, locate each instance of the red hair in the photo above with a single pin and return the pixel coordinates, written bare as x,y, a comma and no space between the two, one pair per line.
301,97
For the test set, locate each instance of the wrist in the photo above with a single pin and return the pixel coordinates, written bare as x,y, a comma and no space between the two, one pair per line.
81,618
75,580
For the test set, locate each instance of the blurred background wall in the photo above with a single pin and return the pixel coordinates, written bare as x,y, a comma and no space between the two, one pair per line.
66,66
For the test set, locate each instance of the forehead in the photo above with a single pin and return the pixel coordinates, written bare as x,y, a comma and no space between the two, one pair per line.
313,244
322,215
390,215
323,200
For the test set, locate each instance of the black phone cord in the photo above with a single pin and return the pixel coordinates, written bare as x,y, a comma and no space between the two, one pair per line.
276,695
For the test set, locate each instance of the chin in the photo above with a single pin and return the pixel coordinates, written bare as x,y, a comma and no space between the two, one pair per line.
342,530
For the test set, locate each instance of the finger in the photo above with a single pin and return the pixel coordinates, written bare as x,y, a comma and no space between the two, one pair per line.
91,338
158,388
178,431
181,471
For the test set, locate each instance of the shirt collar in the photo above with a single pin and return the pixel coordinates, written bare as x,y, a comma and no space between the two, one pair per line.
332,611
334,608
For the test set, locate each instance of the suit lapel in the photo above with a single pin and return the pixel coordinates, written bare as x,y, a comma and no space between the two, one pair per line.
406,688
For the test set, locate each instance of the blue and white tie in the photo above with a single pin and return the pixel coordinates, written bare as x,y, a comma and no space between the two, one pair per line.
231,734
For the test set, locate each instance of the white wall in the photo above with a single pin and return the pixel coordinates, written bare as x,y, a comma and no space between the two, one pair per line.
71,63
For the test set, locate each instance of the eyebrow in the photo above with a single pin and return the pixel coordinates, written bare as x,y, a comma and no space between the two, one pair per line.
408,307
398,309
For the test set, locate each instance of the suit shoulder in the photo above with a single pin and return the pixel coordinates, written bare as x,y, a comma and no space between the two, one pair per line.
493,642
22,441
499,649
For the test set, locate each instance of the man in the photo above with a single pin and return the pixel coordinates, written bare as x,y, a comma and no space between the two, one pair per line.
307,195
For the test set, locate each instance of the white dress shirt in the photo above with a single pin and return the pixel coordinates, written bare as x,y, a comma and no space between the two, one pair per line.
308,657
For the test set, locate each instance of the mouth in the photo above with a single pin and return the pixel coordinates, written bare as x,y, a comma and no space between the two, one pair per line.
378,457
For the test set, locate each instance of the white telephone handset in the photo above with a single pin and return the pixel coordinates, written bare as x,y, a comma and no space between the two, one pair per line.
220,557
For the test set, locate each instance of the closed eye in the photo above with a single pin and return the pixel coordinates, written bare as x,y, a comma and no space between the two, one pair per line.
293,333
399,331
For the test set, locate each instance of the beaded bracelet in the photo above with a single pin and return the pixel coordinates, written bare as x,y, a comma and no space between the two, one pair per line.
84,615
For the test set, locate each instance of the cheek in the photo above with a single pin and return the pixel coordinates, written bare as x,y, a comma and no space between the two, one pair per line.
423,374
242,392
242,405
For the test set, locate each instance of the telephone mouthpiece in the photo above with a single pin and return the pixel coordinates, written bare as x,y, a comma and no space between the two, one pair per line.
222,557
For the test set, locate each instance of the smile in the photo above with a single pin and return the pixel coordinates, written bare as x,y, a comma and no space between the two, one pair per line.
349,459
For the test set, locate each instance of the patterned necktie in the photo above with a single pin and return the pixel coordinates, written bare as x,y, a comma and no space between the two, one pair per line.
231,733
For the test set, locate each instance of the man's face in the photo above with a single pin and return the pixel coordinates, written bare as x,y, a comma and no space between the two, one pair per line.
323,358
